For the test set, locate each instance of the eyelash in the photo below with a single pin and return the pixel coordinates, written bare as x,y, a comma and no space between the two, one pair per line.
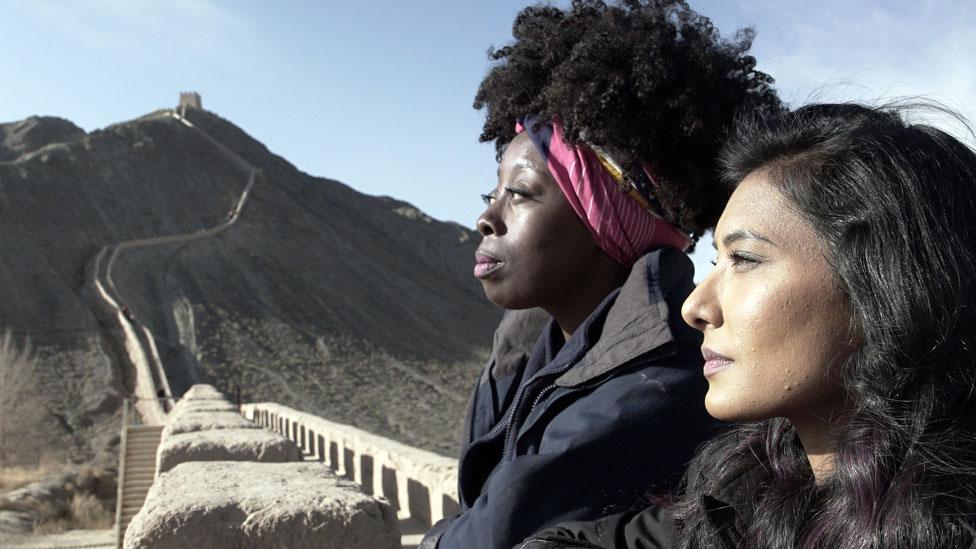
488,198
739,258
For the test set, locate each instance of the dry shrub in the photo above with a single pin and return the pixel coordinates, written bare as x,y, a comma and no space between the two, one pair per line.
84,499
90,513
12,478
83,512
99,482
21,410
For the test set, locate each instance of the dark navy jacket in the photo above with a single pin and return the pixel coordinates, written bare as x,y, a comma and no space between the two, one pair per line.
578,430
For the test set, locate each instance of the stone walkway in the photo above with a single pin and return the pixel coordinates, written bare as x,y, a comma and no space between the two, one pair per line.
73,539
411,531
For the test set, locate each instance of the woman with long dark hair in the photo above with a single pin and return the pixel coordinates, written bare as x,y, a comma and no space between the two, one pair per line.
608,120
839,326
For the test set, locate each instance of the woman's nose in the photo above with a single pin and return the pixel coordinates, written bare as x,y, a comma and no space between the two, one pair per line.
488,222
701,309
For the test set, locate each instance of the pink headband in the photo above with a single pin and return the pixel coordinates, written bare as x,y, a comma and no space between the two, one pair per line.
621,226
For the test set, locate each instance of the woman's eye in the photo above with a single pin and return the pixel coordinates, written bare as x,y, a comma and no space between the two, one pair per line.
743,259
512,191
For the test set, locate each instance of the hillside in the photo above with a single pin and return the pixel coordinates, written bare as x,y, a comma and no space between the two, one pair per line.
358,308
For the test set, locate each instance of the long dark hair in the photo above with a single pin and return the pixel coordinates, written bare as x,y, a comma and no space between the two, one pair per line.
894,207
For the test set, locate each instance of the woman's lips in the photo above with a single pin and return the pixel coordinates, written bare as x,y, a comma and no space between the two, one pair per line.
714,362
485,264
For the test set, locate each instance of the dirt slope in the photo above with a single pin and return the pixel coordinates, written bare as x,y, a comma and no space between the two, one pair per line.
359,308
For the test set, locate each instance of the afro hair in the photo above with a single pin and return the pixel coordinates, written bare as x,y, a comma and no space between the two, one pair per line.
650,81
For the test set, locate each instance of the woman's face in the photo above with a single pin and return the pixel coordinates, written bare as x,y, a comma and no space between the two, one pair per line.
776,328
535,251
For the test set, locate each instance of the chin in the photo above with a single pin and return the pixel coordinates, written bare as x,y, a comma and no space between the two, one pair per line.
726,409
506,299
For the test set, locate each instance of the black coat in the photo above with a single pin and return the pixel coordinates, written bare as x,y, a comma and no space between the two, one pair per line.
727,514
575,431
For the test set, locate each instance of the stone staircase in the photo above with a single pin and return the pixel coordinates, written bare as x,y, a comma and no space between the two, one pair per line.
137,471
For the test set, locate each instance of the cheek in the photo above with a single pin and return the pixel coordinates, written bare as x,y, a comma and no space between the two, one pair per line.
786,345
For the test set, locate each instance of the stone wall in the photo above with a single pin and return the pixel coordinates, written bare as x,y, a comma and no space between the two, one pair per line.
419,484
223,482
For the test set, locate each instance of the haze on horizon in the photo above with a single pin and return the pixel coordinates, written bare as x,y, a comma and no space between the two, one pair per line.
378,95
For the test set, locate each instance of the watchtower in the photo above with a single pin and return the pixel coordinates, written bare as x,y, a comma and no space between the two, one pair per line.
189,100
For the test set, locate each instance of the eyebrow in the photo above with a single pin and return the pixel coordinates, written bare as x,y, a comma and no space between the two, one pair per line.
742,234
520,165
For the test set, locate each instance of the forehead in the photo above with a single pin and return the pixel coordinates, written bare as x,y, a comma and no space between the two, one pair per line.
758,207
521,153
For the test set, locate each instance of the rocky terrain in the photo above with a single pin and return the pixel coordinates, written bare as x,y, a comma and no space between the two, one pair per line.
357,308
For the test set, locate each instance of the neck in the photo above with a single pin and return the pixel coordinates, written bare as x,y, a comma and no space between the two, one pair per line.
815,436
605,277
571,319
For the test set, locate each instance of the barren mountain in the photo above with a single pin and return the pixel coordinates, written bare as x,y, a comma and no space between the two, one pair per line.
358,308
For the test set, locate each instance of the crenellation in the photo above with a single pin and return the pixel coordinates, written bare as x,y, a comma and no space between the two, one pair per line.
190,100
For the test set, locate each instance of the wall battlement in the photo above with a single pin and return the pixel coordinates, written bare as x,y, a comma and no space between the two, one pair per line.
420,484
189,100
288,479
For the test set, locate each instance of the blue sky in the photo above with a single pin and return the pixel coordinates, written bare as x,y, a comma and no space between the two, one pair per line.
378,95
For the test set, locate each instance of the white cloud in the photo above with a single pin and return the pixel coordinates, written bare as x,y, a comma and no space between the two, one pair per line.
871,51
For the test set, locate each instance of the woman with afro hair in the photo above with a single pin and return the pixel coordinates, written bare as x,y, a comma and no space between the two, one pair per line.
607,119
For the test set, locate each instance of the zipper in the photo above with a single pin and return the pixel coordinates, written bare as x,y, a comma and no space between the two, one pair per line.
542,393
556,542
518,405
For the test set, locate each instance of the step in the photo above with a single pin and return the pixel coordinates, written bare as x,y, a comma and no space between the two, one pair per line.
141,458
148,458
148,472
139,474
134,501
142,436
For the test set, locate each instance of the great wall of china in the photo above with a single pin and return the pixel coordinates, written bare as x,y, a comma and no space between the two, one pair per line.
204,472
224,476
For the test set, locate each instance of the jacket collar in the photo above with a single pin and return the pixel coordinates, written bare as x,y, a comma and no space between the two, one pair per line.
636,323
